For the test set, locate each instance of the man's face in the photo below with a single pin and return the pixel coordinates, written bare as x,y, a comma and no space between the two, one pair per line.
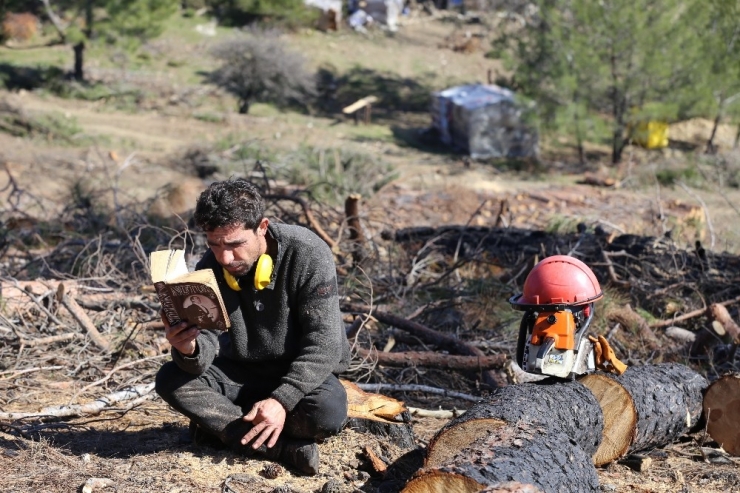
237,248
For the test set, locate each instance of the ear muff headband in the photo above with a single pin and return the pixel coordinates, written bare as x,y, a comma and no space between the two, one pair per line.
262,274
231,280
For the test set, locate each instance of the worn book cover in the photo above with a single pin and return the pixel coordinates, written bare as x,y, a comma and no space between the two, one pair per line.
187,296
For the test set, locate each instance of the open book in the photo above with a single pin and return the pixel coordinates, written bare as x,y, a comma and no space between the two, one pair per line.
187,296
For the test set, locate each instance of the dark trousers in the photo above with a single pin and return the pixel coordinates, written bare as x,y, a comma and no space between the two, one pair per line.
218,399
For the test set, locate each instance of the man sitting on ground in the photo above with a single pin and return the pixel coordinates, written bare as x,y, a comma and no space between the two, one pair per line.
269,385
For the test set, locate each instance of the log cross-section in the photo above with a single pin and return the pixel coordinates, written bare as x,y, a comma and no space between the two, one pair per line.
666,403
722,412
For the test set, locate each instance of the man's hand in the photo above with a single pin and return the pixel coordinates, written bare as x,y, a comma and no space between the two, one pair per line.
268,419
181,337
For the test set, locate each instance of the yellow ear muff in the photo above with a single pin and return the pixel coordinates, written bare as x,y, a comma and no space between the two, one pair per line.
263,272
231,281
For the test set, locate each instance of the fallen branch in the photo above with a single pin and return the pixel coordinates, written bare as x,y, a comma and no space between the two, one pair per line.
435,413
41,341
612,272
377,387
719,313
309,217
15,373
110,373
691,314
93,408
79,314
435,360
433,337
632,320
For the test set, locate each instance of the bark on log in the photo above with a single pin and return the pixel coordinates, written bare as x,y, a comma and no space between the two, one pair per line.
510,435
377,414
566,407
722,412
667,404
521,452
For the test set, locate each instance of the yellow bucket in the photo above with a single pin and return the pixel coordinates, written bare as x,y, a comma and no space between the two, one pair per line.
651,134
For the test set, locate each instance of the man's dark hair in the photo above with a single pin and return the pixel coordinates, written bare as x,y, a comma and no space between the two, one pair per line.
228,203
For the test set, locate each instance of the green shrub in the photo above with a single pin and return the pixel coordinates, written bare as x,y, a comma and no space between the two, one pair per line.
258,67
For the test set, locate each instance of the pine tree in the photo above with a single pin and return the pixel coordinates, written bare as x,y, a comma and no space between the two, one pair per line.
720,40
624,58
112,20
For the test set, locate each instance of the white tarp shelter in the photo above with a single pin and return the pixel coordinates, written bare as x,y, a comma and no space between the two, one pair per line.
332,10
381,12
483,120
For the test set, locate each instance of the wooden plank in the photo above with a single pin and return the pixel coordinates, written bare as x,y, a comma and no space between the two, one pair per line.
359,104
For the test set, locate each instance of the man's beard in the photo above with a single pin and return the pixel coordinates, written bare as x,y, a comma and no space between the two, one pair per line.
240,268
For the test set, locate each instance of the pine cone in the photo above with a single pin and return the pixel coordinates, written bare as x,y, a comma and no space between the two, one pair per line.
271,471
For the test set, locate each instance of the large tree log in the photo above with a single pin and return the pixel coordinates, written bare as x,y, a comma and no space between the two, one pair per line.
511,435
722,412
566,407
522,452
646,407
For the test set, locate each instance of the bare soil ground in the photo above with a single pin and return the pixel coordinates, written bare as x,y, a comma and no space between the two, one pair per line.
145,448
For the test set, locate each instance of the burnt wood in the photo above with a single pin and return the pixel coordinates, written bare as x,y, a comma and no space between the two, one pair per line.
521,452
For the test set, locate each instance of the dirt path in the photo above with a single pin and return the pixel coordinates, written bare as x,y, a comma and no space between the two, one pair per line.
431,188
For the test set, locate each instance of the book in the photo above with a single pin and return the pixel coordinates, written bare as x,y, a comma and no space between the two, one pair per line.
187,296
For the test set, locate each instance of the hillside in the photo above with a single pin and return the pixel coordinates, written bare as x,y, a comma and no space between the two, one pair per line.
109,170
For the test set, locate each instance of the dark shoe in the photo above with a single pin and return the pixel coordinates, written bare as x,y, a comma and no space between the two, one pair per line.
201,438
302,455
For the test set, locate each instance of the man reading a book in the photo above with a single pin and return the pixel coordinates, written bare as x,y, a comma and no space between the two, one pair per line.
269,384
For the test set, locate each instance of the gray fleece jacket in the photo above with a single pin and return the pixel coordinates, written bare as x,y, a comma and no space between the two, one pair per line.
293,328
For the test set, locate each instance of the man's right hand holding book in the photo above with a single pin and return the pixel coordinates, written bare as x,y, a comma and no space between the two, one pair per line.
181,336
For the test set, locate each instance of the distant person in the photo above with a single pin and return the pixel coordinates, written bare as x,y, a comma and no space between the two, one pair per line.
269,385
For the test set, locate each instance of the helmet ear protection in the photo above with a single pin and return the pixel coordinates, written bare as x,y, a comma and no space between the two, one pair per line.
262,274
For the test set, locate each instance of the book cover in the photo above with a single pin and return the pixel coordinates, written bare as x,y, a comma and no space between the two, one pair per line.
187,296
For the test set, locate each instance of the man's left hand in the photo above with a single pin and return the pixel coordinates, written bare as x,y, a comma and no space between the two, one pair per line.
268,419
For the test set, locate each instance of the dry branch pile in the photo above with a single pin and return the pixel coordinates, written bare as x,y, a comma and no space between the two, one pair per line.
426,316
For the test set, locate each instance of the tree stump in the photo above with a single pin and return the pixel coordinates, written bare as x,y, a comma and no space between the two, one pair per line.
722,412
646,407
511,435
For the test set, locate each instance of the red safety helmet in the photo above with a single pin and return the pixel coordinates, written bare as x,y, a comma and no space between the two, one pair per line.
559,280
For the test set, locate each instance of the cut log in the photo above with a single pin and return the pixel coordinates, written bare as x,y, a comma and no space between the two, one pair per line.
510,435
722,412
378,415
522,452
566,407
620,417
666,404
721,315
